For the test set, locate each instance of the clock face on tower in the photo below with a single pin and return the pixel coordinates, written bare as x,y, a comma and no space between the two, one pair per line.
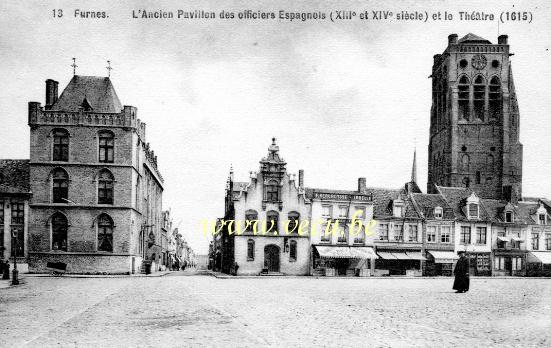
479,62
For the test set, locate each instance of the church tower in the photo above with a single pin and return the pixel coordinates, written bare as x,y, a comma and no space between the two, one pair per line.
474,126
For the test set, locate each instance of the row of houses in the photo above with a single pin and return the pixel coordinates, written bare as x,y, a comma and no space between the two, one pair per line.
403,231
90,195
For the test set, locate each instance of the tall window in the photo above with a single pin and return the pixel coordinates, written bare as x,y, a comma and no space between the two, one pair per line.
293,250
105,187
535,241
465,235
445,234
473,211
17,213
343,212
272,191
250,217
327,212
479,97
1,216
494,98
431,234
413,233
106,147
60,190
398,233
272,221
481,235
463,98
383,232
325,237
59,232
342,235
293,222
508,216
250,250
105,233
61,145
548,241
465,163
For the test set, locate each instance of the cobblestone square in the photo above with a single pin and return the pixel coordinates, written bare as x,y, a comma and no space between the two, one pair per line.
204,311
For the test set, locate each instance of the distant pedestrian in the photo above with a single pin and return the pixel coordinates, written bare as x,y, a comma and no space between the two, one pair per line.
461,272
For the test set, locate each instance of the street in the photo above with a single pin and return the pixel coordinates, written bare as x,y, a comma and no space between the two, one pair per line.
184,310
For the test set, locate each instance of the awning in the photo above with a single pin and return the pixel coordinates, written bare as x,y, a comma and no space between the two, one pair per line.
386,255
401,255
443,256
540,256
517,239
363,253
345,252
415,255
503,239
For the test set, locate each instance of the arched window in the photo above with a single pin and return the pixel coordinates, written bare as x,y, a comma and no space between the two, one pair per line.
60,186
105,187
272,191
465,163
494,98
59,232
272,221
250,217
106,147
105,233
61,145
293,250
294,217
479,97
463,98
250,250
490,163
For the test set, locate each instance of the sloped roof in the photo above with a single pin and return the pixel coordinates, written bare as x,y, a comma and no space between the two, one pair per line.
525,210
14,176
428,202
456,196
472,38
98,92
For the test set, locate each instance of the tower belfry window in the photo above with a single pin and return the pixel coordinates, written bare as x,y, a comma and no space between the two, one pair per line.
494,98
463,98
479,97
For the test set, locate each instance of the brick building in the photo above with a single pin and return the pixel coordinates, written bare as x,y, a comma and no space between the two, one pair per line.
474,128
96,203
14,207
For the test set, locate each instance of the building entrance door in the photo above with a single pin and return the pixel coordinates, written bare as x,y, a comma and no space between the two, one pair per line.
508,265
271,258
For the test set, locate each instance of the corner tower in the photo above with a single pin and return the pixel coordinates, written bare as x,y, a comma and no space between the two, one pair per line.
474,127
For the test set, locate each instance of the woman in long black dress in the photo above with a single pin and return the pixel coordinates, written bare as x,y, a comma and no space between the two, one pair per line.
461,271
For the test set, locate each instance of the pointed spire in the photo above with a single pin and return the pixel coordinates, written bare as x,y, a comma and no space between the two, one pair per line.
74,65
414,167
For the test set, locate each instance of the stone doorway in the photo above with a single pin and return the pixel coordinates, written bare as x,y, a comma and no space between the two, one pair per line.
271,258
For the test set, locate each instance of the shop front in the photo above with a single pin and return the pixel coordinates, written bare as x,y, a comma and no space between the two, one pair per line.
479,263
399,262
440,262
344,261
538,264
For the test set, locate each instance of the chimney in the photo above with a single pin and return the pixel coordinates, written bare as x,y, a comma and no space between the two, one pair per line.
301,178
362,187
51,93
452,39
502,39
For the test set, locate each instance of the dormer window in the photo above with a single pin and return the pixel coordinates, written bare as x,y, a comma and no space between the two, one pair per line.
542,215
508,216
541,219
473,211
438,213
398,208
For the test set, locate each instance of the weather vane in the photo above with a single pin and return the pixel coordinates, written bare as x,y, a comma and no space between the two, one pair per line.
109,68
74,65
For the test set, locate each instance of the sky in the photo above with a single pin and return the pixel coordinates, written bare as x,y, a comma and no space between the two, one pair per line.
344,99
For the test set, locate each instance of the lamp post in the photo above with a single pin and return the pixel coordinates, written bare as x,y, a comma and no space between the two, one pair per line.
15,272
